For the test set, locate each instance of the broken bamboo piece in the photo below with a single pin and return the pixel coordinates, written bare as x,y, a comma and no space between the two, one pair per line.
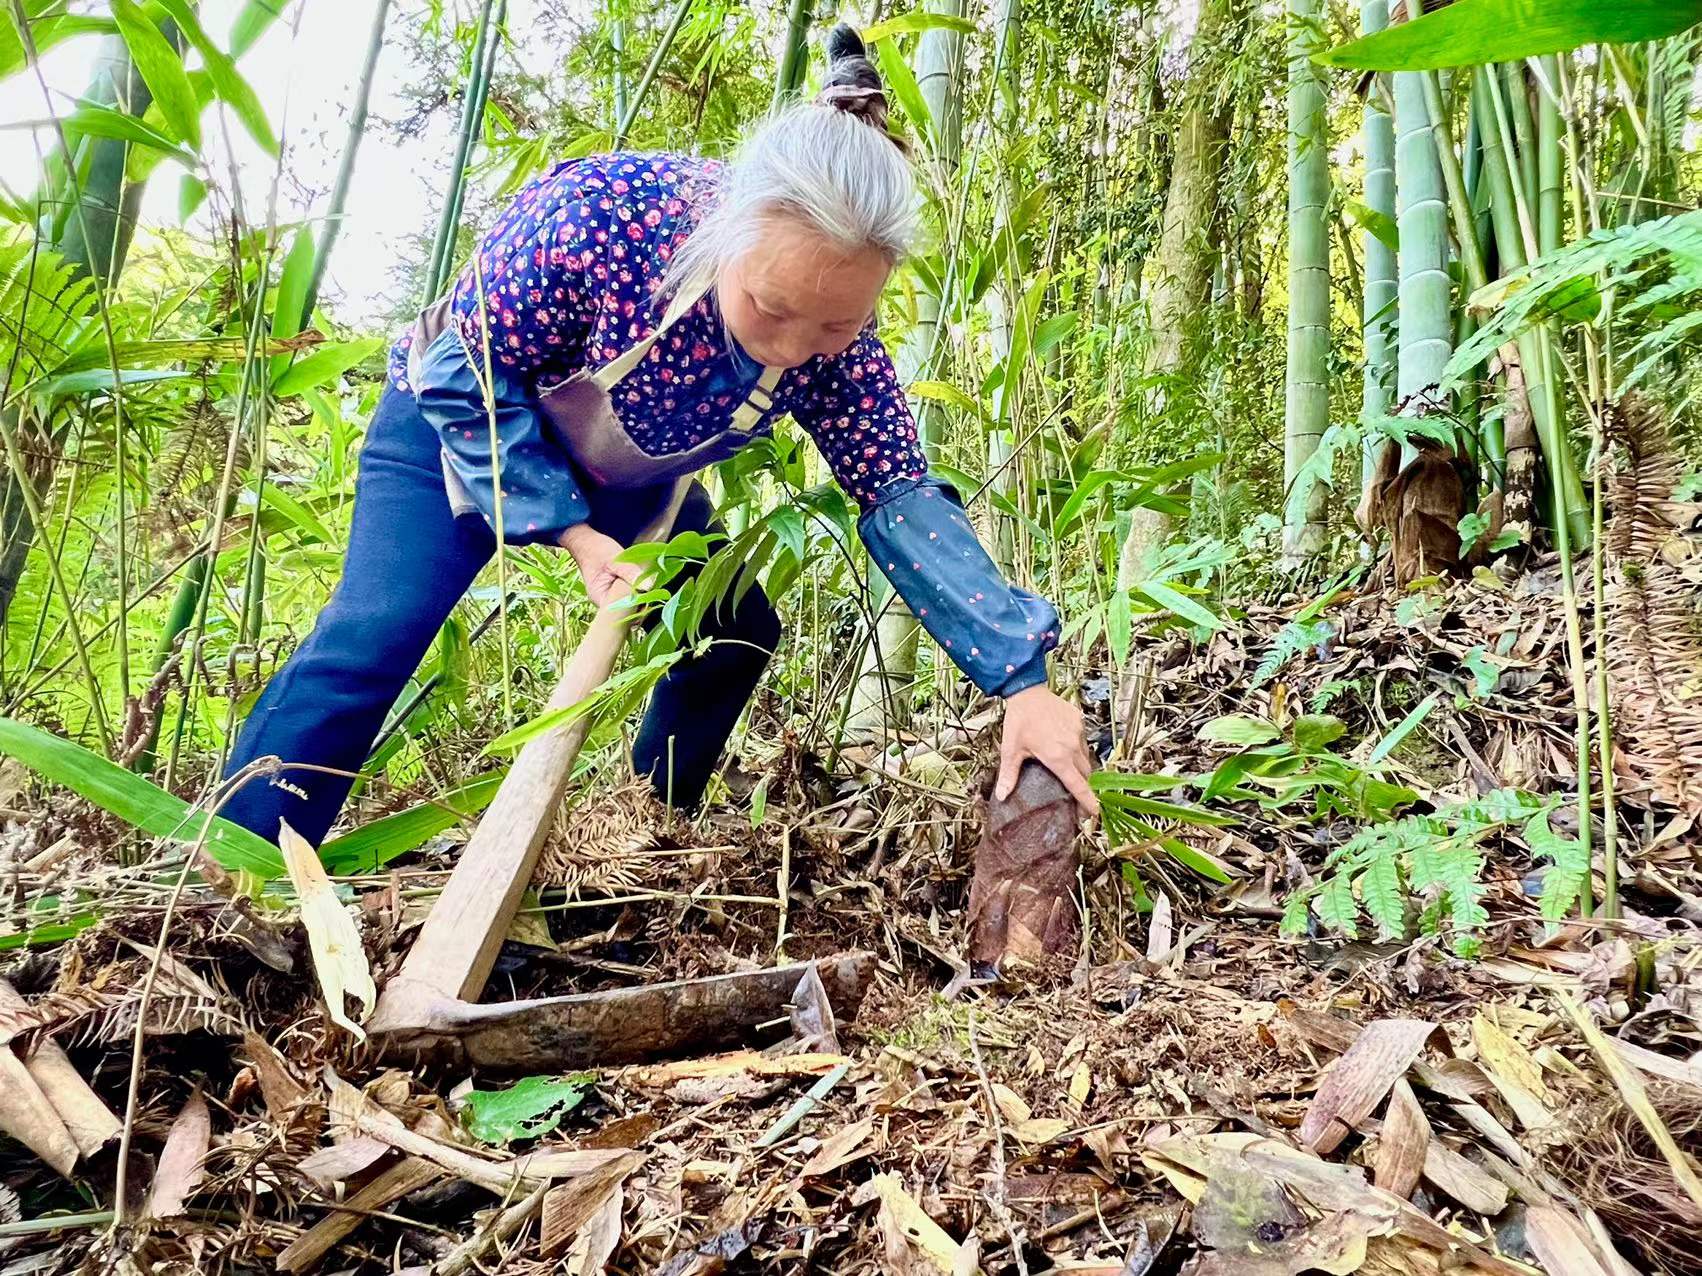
628,1025
89,1122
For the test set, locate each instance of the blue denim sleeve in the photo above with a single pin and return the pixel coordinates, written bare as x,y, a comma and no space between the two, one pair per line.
921,538
540,496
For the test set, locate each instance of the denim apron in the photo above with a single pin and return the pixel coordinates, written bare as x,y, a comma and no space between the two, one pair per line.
580,413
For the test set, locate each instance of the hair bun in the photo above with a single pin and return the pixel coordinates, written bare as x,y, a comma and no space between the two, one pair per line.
843,42
852,84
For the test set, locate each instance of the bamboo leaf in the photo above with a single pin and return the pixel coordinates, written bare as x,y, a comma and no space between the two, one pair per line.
375,844
901,84
324,365
1158,808
1119,626
91,380
252,22
46,30
288,307
917,20
162,71
1403,729
1091,483
1174,600
134,800
191,194
91,119
1472,32
228,82
302,518
1238,729
942,392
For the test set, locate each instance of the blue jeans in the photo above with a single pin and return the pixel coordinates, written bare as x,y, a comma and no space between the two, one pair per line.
409,561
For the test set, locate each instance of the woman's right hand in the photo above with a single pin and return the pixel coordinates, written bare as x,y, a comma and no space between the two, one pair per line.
605,579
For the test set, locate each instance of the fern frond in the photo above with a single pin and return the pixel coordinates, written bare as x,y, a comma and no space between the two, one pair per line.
1563,884
1380,892
1297,910
1292,639
1336,907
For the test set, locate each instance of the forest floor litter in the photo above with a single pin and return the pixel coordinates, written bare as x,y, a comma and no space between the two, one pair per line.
1191,1089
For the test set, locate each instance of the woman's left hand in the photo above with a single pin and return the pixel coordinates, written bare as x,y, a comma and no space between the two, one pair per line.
1047,728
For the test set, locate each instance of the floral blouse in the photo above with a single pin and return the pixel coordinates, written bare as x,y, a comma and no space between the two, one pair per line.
568,277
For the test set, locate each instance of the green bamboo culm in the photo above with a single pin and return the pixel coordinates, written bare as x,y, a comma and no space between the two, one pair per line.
339,200
1307,413
1381,289
1426,289
1512,254
796,54
663,46
617,50
472,120
1516,241
881,695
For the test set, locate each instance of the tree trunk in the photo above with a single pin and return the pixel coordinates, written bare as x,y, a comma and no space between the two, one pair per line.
889,664
1308,400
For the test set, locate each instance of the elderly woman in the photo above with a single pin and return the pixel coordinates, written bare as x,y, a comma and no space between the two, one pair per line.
629,320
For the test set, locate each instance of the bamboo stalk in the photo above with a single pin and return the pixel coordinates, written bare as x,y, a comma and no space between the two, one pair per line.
795,55
1379,316
443,243
650,69
346,167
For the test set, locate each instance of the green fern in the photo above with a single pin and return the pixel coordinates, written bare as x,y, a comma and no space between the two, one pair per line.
1568,867
1383,869
1380,889
1292,639
45,310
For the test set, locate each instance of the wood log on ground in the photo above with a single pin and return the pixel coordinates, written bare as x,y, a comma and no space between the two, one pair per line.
1022,902
628,1025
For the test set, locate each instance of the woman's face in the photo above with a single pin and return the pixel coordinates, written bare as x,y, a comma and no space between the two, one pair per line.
794,295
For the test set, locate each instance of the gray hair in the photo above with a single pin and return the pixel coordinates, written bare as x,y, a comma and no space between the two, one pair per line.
817,163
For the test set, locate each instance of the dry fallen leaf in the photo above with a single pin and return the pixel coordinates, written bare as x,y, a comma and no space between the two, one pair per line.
576,1216
1081,1084
1512,1070
1012,1106
182,1162
595,1245
914,1242
332,938
1354,1087
1403,1142
847,1145
1452,1174
1037,1131
1561,1243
